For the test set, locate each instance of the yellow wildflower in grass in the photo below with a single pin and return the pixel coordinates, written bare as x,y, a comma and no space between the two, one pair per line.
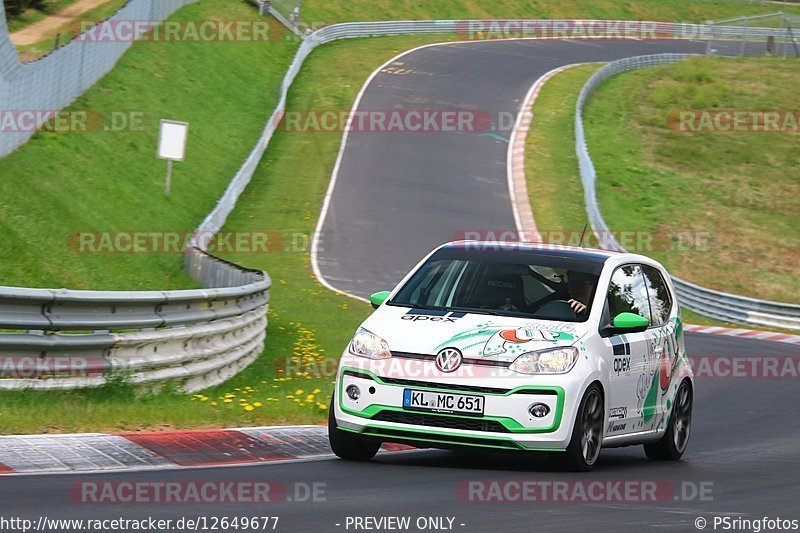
214,404
310,398
248,407
227,400
257,404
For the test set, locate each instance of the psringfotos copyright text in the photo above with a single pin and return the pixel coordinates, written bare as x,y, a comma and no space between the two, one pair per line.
755,525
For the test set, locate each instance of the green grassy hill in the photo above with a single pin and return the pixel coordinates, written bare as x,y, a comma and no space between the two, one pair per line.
60,184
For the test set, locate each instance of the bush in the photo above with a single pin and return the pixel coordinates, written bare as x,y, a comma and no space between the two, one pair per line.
15,8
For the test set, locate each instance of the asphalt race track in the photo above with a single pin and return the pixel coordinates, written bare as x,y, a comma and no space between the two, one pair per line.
399,195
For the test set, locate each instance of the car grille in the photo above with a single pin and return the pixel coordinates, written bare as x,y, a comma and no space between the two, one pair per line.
414,438
444,386
448,386
439,421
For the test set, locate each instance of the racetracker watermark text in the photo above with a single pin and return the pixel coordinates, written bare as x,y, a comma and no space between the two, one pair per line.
393,121
557,29
150,242
734,121
143,492
703,366
641,241
51,366
174,31
583,491
71,121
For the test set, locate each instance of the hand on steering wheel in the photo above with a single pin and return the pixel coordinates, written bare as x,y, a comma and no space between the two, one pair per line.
577,306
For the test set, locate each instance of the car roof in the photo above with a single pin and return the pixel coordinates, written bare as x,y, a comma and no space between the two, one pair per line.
589,255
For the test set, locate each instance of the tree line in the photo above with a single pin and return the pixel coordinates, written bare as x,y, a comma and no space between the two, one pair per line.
14,8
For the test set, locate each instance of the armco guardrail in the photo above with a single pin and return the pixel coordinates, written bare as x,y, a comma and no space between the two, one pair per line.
195,338
711,303
55,80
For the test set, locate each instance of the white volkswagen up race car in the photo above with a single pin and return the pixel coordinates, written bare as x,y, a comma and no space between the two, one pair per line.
519,347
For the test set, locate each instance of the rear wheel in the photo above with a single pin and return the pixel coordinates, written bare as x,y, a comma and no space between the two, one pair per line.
587,433
349,445
673,443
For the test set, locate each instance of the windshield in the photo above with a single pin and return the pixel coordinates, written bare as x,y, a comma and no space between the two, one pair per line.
508,284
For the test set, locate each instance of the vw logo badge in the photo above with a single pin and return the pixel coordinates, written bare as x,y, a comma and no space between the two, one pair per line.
448,360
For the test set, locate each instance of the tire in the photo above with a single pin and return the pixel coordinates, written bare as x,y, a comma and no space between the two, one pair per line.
587,432
348,445
673,443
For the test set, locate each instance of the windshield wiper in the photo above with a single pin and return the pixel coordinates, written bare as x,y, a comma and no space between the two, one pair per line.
477,311
493,312
473,310
417,306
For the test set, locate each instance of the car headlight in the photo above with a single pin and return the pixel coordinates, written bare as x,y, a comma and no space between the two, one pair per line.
553,361
367,344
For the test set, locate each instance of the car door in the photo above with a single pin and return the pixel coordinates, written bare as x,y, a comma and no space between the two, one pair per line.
628,355
664,345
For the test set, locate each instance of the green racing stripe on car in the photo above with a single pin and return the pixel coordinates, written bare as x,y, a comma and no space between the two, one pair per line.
650,400
509,423
479,331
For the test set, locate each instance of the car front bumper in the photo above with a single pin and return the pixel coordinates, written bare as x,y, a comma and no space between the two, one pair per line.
506,422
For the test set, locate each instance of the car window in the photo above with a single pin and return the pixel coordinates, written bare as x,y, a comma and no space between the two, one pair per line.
436,284
472,283
627,293
660,298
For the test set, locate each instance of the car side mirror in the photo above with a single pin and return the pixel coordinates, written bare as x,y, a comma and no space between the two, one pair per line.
626,323
378,298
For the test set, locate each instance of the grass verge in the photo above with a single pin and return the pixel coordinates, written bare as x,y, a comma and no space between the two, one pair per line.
551,166
722,207
672,10
108,179
309,325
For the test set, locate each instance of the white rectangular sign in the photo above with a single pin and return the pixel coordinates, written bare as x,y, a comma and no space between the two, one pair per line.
172,140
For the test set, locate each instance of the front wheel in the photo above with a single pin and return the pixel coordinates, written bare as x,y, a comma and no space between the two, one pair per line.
349,445
587,433
673,443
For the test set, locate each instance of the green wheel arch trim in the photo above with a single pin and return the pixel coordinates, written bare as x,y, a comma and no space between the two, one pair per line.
425,437
509,423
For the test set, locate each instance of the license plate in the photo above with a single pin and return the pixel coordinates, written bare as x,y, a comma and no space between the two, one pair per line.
442,402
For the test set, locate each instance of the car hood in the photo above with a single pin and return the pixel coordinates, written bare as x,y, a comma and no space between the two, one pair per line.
475,335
